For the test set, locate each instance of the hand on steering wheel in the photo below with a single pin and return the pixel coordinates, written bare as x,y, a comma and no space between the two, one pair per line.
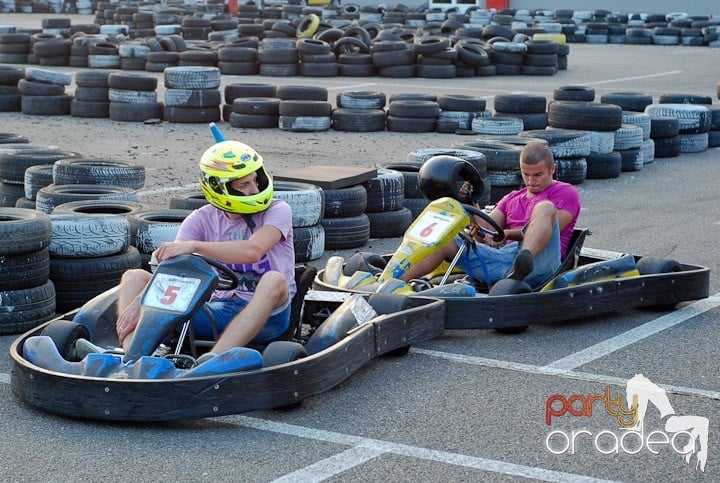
497,235
228,279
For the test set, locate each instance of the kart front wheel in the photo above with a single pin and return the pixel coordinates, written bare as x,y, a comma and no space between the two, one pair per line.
64,334
508,286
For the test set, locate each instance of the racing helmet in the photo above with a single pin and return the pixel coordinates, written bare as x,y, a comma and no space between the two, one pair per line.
225,162
444,175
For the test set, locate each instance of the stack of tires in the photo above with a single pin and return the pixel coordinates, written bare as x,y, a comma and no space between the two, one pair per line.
133,97
458,111
359,111
268,116
9,94
600,121
304,108
88,255
344,220
385,211
195,94
307,202
412,115
695,119
27,295
531,110
14,47
91,94
633,105
42,92
15,162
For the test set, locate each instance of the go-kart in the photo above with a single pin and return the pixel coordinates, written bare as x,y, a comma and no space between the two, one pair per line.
588,282
145,383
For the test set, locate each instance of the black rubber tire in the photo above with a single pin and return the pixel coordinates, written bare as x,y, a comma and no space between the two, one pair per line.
306,201
81,236
37,177
571,170
664,127
345,202
90,109
78,280
149,228
603,165
349,232
389,224
94,207
308,242
25,309
385,191
500,156
461,102
135,111
628,101
64,334
14,163
188,201
509,286
53,195
23,231
414,109
99,171
410,124
667,147
574,93
256,106
360,100
305,93
132,82
24,270
519,103
281,352
254,121
304,108
358,120
192,97
588,116
409,171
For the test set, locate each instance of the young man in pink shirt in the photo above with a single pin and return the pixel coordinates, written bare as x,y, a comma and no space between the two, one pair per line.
537,221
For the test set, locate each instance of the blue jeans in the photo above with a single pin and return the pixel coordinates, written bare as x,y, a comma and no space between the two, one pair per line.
498,261
225,310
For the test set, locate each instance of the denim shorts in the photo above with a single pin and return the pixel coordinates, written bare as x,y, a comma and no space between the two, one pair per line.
498,261
226,309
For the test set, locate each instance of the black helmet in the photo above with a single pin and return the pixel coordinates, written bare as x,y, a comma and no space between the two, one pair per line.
442,176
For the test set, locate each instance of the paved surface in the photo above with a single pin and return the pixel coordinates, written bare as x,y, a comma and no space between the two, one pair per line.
469,405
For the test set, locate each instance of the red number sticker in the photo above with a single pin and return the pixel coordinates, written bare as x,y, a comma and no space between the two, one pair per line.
427,231
170,295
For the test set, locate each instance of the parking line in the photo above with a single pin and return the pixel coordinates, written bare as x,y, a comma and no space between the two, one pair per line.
601,349
638,77
332,466
407,450
550,371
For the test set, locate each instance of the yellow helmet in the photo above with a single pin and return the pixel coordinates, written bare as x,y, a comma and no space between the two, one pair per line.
225,162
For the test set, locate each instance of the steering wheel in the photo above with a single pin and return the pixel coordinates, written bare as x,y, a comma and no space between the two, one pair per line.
228,280
498,235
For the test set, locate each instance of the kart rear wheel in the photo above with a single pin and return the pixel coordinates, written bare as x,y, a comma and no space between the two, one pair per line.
657,266
64,334
508,286
282,352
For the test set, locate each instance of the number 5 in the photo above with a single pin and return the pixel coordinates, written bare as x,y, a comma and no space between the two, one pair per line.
170,295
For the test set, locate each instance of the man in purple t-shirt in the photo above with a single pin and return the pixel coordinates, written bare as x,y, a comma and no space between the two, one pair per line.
247,230
537,221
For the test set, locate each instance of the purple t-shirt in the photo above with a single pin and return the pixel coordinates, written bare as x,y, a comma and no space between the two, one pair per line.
518,208
210,224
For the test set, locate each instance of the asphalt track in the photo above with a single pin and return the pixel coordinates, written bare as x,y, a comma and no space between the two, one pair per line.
469,405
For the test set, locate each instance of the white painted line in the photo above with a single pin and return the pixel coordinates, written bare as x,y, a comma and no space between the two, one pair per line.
410,451
168,189
550,371
620,341
331,466
639,77
356,86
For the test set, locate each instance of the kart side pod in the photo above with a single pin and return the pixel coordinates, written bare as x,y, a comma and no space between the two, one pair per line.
441,220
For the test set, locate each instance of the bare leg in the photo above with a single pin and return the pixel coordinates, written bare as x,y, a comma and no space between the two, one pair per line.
270,292
132,284
539,230
430,263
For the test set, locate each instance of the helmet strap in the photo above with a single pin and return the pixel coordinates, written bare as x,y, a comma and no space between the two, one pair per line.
249,222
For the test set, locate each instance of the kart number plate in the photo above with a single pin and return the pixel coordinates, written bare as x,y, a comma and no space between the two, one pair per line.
170,292
431,227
